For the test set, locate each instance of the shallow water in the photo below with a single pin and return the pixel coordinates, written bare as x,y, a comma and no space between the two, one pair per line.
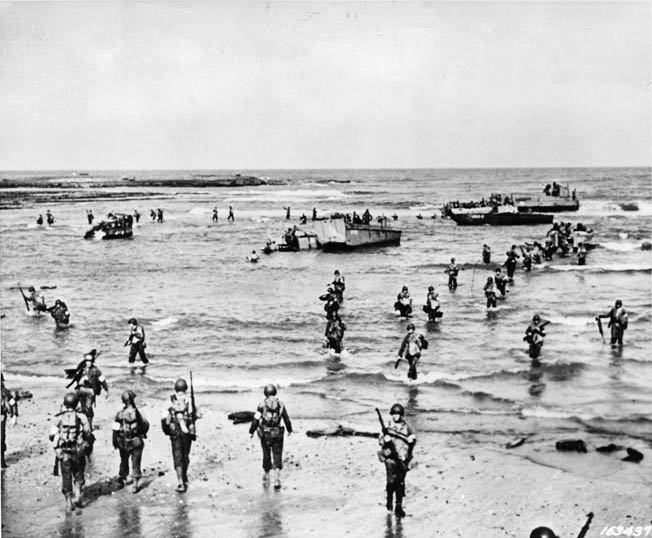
239,325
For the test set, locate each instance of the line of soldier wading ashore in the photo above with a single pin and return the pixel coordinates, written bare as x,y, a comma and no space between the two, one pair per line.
73,438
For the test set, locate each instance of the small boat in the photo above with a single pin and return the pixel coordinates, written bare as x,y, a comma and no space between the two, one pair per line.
118,226
504,215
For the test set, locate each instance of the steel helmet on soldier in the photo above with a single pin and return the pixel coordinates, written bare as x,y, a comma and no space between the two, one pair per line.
452,260
70,400
411,326
536,318
431,288
542,532
128,397
180,385
270,390
619,303
397,409
132,321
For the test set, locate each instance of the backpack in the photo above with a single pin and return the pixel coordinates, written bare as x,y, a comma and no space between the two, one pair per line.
70,431
270,421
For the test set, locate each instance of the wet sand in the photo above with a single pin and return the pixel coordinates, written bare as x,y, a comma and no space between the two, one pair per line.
332,486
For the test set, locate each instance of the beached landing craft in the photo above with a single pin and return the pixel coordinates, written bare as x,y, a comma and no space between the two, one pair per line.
118,226
338,233
503,215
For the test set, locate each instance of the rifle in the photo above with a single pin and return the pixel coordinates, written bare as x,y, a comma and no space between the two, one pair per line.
193,409
393,454
597,318
55,471
24,298
585,528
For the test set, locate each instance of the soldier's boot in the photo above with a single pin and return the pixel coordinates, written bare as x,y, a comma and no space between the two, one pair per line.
181,487
390,498
77,490
277,479
69,503
136,485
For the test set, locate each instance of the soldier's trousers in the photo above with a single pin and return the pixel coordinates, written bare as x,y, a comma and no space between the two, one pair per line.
395,479
181,452
136,454
272,453
72,467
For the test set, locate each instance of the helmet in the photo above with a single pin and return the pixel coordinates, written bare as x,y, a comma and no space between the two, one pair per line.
619,303
269,390
57,302
452,260
70,400
431,288
133,320
90,356
490,279
397,409
404,288
337,272
536,318
411,326
180,385
128,397
542,532
31,288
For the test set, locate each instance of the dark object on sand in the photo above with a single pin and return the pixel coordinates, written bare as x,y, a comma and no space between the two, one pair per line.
629,206
339,431
23,394
646,245
241,417
516,443
609,448
633,455
571,445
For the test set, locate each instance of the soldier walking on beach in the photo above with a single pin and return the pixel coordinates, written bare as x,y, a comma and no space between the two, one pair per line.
178,424
9,410
397,441
231,217
267,421
215,214
69,437
137,342
129,429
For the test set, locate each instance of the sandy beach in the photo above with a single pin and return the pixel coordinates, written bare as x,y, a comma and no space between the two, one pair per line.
332,486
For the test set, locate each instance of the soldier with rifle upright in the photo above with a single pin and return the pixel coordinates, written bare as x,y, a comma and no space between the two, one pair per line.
397,441
178,423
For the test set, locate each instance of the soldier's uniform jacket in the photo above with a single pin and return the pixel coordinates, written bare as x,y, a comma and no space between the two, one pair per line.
71,434
9,405
129,428
402,441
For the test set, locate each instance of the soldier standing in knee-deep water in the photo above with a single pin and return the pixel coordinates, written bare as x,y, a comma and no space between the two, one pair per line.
397,441
136,342
267,420
129,429
70,437
178,424
9,410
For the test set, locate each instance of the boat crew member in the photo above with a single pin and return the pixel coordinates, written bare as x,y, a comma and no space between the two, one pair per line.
404,302
130,429
366,217
178,423
9,411
410,349
267,422
136,341
617,322
397,441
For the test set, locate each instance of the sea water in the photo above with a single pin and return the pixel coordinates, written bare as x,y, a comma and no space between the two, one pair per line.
239,325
